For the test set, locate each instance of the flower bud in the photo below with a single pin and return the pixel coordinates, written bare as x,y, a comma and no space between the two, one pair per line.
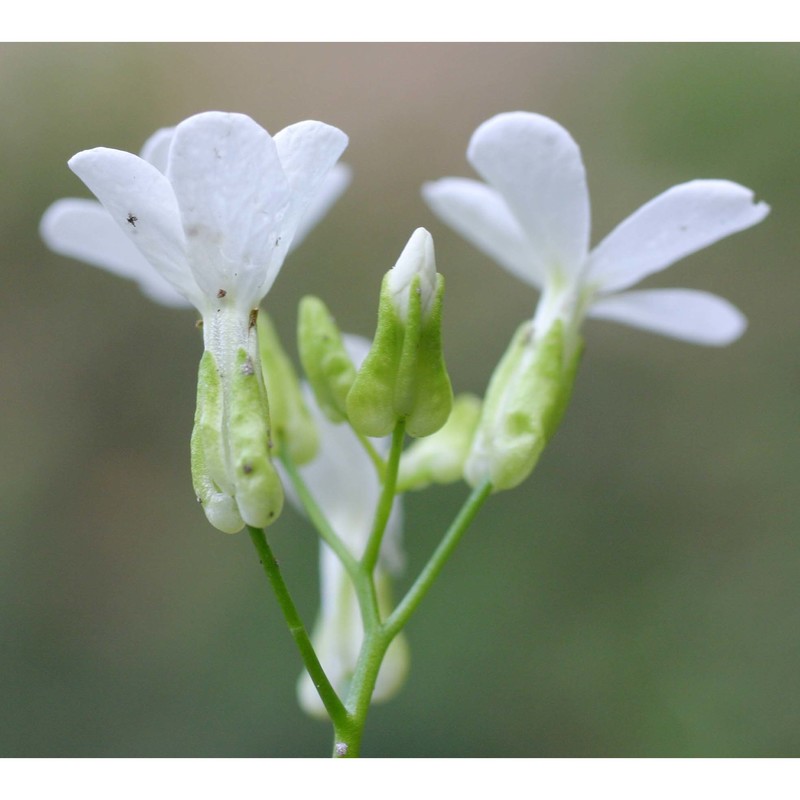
526,398
440,458
404,375
291,422
327,365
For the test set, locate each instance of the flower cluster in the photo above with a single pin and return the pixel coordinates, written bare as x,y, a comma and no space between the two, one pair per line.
205,217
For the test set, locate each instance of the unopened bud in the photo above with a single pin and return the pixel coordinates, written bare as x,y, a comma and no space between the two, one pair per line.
404,375
440,458
327,365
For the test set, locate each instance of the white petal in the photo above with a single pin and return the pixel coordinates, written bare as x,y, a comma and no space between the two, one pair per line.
342,479
84,230
481,215
535,164
156,148
693,316
307,151
685,218
418,259
233,196
141,202
332,188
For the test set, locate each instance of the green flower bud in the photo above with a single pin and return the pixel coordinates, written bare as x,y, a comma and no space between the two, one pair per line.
291,421
524,404
329,369
404,375
440,458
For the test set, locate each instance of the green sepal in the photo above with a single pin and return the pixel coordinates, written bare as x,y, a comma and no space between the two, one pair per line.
258,488
526,399
440,458
403,375
291,422
370,403
327,365
209,473
433,391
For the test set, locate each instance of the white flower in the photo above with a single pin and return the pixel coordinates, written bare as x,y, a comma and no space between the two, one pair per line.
293,173
343,482
533,218
212,207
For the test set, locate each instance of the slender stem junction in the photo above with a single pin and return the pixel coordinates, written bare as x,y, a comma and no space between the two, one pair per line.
349,717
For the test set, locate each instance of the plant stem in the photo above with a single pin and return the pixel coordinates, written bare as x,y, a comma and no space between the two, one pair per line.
378,637
318,519
374,455
327,693
384,508
400,616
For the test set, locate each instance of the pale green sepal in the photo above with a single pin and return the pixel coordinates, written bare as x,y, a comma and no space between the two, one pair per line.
258,489
371,401
524,403
207,452
433,393
209,422
327,365
291,421
440,458
403,375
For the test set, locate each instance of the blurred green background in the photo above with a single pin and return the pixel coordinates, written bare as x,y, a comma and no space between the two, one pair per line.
638,596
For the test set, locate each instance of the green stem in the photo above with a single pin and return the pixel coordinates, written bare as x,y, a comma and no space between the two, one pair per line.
378,637
318,519
384,508
374,455
327,693
400,616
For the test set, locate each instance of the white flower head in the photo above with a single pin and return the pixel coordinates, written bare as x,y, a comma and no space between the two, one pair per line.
343,482
301,158
211,207
532,216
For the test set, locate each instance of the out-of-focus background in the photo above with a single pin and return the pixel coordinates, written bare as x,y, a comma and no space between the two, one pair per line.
639,595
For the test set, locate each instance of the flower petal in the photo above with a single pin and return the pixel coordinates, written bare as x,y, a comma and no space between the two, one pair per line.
332,188
483,218
536,166
156,149
698,317
141,202
685,218
307,151
233,196
84,230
